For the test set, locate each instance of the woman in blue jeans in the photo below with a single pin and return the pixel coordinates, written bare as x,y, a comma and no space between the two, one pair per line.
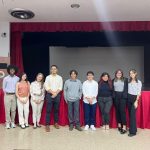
105,98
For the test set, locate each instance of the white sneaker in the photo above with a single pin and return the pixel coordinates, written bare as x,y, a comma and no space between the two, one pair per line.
107,127
92,127
7,126
22,126
103,127
13,125
86,127
26,125
34,127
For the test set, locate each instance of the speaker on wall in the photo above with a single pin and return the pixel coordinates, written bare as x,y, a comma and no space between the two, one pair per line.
3,66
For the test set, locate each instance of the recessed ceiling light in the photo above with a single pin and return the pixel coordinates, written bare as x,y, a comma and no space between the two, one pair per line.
75,5
21,13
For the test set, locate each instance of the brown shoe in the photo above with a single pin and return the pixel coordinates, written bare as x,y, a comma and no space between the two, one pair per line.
39,126
71,127
78,128
47,128
56,125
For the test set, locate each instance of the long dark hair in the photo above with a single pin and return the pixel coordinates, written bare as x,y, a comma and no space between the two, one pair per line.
42,81
122,77
20,77
135,72
109,79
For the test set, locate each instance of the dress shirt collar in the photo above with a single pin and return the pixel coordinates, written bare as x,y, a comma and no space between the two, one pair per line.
11,76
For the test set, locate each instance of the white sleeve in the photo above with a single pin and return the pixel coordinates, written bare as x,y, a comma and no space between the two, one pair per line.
95,90
85,94
31,90
139,87
46,84
61,84
43,93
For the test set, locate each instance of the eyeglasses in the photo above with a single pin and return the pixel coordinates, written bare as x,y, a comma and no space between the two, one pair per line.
53,69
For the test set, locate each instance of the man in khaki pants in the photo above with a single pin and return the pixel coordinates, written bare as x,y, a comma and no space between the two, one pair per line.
9,88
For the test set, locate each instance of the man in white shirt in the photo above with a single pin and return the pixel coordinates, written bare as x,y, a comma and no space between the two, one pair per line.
53,85
90,91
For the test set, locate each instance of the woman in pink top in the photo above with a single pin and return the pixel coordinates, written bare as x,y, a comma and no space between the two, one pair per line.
23,93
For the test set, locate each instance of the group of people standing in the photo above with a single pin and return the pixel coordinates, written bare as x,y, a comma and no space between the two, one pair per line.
120,91
17,93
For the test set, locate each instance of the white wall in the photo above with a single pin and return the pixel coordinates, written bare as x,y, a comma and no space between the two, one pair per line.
4,41
97,59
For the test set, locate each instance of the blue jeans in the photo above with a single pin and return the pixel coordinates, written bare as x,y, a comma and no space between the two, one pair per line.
89,114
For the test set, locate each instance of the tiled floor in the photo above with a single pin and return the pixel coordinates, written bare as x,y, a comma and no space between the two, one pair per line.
63,139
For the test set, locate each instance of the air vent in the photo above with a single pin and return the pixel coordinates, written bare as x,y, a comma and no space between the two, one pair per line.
21,13
75,5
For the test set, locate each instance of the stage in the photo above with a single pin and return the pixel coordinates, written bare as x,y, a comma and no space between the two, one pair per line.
30,139
143,112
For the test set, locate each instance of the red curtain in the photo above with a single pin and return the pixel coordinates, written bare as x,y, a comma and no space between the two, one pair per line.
81,26
16,50
18,28
142,113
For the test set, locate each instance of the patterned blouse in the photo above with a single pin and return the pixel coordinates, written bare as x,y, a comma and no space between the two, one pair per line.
37,91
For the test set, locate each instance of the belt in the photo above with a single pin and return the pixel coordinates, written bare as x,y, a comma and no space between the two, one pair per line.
10,93
37,94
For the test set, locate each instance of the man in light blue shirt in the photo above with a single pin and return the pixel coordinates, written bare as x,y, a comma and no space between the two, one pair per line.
72,94
9,88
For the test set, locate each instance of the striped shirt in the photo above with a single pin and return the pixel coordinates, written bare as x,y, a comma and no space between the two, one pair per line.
37,91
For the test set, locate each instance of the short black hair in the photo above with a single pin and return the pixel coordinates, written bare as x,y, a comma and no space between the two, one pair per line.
10,67
90,72
54,66
74,72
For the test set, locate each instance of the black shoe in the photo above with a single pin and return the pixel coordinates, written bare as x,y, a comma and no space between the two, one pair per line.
70,127
35,127
27,125
22,126
119,129
131,135
78,128
39,126
123,131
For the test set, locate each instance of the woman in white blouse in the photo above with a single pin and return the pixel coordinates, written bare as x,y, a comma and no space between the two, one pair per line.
134,92
37,98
